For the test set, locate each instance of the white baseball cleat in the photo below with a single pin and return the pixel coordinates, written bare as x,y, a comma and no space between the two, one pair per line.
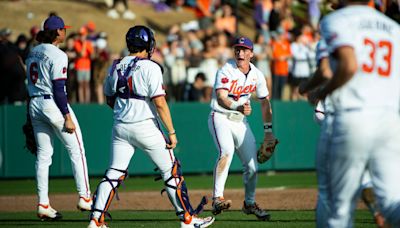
95,224
46,212
84,204
197,222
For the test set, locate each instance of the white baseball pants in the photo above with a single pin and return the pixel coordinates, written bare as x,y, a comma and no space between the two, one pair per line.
47,121
126,137
364,140
229,136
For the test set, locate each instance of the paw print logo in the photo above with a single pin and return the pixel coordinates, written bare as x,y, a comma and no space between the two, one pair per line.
64,70
224,80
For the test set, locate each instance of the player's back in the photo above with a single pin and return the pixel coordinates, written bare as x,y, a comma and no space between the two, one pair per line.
376,41
45,63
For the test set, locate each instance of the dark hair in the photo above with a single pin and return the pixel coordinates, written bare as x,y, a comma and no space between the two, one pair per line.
46,36
136,49
200,76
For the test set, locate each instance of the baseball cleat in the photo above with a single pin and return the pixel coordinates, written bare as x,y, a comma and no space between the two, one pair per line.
84,204
46,212
256,210
220,204
197,222
96,224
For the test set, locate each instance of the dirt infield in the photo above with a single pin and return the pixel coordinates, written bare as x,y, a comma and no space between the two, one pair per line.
280,199
271,199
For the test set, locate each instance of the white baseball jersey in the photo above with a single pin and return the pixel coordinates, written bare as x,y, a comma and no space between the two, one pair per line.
239,86
45,63
144,80
375,39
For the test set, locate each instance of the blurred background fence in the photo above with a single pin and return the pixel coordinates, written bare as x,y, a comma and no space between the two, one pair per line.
293,125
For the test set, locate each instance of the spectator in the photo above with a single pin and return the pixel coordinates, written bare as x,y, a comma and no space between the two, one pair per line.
174,56
226,22
300,70
22,46
274,20
117,6
280,65
224,52
195,91
204,10
71,84
32,42
262,11
209,66
262,54
100,65
85,51
12,72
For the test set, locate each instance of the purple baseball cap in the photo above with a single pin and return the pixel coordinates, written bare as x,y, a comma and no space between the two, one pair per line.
53,23
243,42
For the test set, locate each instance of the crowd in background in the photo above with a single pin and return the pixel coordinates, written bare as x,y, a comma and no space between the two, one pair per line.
284,50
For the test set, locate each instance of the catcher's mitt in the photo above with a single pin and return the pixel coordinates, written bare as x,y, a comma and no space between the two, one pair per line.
30,142
266,150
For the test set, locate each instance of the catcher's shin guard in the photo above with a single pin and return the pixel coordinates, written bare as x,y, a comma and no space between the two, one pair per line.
115,183
182,193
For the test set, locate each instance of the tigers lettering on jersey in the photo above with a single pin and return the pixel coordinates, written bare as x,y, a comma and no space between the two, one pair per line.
239,90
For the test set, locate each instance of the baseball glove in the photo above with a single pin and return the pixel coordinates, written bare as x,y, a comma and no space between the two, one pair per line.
266,150
30,142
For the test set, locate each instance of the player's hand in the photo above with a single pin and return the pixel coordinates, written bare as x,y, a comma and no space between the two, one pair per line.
245,109
69,125
172,141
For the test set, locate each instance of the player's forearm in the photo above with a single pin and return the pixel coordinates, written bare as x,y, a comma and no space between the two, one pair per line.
266,110
164,113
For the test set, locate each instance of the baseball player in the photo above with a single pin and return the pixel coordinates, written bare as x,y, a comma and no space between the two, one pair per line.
234,84
365,94
323,116
134,89
51,115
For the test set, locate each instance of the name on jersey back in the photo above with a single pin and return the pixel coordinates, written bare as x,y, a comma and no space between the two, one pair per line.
376,25
38,55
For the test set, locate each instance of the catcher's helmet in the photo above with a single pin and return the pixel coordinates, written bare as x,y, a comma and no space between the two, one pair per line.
140,37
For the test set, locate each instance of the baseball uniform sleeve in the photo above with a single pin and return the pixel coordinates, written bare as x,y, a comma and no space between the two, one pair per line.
58,70
335,32
110,83
222,80
155,81
322,51
261,89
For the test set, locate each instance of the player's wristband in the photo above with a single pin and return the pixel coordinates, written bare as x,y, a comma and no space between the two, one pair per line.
234,105
172,133
268,127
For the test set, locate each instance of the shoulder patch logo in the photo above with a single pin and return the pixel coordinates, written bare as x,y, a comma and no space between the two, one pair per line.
224,80
64,70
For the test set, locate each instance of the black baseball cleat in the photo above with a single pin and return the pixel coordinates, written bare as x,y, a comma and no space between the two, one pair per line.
257,211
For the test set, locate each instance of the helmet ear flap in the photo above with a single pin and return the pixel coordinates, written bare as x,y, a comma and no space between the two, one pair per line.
151,42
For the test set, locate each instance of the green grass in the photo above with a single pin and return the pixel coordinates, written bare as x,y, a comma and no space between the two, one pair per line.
229,219
64,185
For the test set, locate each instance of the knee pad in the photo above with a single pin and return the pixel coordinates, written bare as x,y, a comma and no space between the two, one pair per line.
115,178
178,183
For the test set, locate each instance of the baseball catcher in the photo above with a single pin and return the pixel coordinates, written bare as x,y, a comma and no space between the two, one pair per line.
267,149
